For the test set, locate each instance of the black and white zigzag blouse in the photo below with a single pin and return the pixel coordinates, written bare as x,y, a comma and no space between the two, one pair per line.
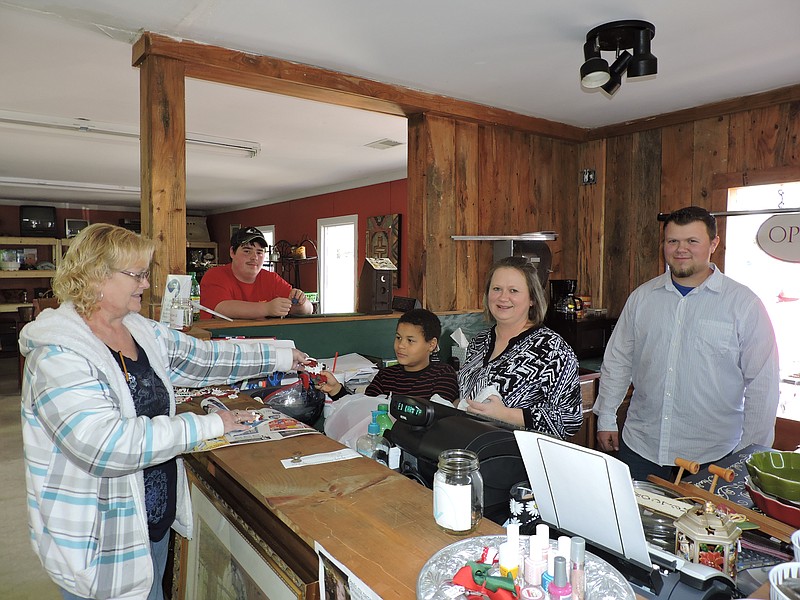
537,372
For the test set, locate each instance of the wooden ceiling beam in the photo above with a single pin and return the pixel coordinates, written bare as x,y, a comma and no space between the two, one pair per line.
268,74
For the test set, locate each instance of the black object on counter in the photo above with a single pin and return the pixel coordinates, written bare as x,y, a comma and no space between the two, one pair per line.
438,428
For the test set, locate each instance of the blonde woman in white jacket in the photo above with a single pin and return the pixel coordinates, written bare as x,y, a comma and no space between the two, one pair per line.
102,441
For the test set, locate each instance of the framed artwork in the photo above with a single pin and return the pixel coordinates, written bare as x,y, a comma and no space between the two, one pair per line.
222,563
383,241
73,226
235,228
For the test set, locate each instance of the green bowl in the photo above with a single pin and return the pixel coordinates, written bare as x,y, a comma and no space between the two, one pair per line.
776,473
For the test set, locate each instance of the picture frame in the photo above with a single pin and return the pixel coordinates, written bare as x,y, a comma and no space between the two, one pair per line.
73,227
226,559
234,229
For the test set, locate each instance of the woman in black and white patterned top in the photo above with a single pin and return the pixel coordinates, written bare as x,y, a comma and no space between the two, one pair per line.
533,370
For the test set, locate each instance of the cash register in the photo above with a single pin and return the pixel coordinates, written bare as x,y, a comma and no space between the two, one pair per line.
424,428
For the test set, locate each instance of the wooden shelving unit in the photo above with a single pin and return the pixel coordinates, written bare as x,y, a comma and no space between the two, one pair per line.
7,242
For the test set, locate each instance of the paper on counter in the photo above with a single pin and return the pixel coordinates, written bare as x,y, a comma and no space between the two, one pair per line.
319,459
351,367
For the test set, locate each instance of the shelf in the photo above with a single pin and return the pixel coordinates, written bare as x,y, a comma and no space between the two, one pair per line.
27,274
292,259
29,241
196,244
12,308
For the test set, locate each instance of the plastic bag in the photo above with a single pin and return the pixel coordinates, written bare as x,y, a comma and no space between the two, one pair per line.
350,417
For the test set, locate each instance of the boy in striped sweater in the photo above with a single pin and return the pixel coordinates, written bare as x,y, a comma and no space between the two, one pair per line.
416,337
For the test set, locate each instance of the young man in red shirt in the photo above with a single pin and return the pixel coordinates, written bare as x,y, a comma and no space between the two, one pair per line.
245,290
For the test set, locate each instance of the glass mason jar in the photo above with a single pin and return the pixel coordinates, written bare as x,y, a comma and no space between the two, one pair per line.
180,315
458,492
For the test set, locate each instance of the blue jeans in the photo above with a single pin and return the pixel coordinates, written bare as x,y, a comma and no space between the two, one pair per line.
158,553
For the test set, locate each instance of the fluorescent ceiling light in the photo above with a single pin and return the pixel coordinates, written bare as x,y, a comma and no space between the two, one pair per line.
68,185
81,125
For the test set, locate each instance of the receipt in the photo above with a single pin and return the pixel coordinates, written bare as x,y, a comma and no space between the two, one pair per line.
318,459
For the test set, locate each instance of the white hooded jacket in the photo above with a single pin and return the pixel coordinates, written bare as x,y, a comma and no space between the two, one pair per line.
85,448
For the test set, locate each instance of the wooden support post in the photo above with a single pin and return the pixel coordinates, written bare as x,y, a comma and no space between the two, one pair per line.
163,168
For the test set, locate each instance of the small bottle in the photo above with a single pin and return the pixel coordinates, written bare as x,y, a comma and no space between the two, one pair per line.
559,587
577,573
564,545
372,444
384,420
458,492
536,563
508,559
194,297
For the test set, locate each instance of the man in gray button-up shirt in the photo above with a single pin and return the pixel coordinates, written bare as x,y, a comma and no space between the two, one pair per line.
700,351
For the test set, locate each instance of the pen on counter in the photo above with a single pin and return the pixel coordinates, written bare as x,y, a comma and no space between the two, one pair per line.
335,356
212,312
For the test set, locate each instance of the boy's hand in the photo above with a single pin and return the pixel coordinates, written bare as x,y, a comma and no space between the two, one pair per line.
328,383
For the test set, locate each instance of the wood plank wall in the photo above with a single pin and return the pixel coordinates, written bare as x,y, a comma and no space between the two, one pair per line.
470,179
660,169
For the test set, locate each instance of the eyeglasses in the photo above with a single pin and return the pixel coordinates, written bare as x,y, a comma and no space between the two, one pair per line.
141,277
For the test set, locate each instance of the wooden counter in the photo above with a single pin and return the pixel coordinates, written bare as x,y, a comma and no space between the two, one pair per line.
375,521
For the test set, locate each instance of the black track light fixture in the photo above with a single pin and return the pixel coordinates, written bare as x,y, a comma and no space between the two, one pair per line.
619,37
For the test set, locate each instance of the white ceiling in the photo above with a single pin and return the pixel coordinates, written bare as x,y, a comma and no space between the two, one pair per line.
72,58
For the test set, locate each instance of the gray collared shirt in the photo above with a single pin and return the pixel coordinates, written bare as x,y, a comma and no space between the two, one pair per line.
704,369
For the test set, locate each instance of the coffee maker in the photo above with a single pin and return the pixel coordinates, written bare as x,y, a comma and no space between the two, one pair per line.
563,303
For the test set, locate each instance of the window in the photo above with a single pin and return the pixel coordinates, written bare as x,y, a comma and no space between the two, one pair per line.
338,249
776,282
269,236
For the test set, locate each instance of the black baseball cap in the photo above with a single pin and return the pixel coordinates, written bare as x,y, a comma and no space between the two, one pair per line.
246,235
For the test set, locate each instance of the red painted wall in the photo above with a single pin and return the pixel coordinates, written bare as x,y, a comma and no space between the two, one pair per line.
296,221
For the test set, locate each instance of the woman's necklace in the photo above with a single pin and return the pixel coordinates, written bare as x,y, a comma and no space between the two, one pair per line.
124,366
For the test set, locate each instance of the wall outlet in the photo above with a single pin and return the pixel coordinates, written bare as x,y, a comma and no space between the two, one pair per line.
588,177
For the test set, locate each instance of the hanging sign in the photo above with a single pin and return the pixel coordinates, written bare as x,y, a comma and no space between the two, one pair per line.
779,236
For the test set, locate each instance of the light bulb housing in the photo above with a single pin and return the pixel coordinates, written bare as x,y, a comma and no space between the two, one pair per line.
643,62
594,70
616,71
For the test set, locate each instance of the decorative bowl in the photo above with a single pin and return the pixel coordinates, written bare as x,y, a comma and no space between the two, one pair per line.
776,473
9,265
773,507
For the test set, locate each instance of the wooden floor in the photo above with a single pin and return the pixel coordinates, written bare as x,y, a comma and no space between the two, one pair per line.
21,574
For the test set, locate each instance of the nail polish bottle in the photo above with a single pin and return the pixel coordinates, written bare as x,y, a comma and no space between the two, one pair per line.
577,573
508,557
559,587
535,563
564,543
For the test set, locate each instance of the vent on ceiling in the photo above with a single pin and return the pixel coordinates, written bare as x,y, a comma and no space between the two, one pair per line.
383,144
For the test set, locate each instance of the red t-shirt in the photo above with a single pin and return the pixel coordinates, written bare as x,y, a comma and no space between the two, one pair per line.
219,283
